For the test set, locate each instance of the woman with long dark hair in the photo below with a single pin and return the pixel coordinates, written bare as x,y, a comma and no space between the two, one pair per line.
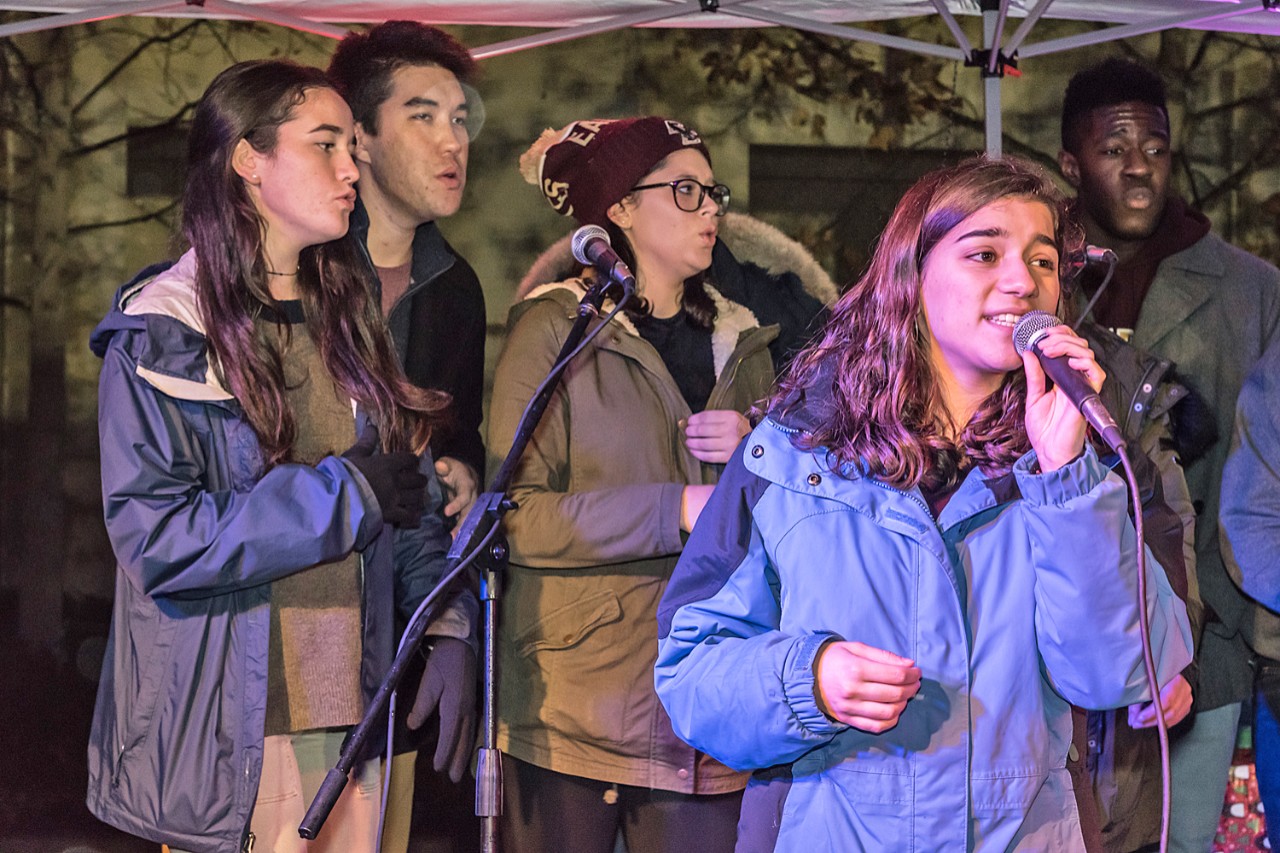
258,563
915,562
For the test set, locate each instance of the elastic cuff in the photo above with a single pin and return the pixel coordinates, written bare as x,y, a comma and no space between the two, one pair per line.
801,683
1078,477
459,620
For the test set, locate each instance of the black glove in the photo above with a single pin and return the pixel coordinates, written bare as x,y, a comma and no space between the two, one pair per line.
399,487
449,686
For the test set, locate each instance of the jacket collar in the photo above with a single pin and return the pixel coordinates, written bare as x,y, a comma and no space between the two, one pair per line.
1174,296
755,241
732,321
899,509
747,238
431,254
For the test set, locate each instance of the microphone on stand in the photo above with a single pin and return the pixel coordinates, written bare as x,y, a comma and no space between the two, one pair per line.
1100,255
1027,332
591,247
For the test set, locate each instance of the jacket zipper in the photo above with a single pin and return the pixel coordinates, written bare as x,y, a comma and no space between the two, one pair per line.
731,370
909,496
413,284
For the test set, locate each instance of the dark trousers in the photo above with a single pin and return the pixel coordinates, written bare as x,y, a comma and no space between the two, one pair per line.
544,811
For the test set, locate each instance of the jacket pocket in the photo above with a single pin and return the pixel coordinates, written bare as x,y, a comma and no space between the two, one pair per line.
579,674
873,786
867,806
568,625
1001,792
142,659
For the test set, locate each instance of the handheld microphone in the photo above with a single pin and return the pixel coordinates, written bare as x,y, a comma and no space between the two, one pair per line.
591,247
1027,332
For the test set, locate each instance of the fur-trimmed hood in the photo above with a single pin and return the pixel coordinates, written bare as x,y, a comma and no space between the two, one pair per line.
732,319
749,240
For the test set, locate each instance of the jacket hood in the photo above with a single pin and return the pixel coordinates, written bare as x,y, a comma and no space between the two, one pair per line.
804,409
158,315
749,240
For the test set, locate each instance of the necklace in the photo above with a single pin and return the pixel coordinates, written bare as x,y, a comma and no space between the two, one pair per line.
273,272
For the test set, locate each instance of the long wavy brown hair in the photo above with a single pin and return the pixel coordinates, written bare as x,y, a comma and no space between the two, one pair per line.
866,385
250,101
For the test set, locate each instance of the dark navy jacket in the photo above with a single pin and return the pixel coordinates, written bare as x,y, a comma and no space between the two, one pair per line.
439,330
199,533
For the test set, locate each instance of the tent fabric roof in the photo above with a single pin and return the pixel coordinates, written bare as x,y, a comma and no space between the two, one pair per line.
1238,15
569,19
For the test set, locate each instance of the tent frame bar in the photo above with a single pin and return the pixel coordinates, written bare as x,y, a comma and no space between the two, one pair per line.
259,13
994,16
606,25
103,13
1024,29
957,33
1141,28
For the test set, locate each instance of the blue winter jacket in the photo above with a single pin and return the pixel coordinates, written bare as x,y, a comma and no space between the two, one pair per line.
199,533
1018,599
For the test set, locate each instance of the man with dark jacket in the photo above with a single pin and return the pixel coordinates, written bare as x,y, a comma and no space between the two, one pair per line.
1184,295
415,115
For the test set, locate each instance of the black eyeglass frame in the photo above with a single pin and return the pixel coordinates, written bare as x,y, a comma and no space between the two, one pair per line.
722,203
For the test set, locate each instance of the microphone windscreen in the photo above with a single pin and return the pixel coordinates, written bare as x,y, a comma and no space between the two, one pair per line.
582,237
1029,327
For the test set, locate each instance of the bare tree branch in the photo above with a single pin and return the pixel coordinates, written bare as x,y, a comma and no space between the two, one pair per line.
29,71
132,220
1202,50
172,121
128,59
1259,101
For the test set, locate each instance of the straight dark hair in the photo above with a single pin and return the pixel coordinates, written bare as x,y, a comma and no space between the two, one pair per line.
363,63
250,101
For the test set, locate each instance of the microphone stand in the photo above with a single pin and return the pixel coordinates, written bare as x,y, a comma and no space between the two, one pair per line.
481,539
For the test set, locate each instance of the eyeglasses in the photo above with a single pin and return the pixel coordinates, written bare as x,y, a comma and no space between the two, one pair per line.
690,194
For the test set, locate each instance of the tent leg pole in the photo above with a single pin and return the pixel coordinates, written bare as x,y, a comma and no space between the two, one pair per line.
991,83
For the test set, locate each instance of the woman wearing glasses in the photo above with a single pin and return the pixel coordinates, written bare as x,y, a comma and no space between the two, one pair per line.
613,479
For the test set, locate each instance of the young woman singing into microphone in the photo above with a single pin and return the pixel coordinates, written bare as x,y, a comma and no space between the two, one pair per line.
915,562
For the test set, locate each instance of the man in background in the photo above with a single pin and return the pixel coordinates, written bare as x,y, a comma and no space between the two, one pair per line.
1184,295
408,87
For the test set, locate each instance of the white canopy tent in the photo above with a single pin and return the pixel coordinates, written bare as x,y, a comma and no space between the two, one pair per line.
569,19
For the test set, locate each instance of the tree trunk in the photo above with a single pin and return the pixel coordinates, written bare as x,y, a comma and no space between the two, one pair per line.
38,263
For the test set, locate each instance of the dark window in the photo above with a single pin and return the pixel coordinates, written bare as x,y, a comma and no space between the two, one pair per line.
156,161
835,201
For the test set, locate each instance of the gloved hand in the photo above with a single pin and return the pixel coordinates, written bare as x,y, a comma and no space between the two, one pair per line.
398,486
449,686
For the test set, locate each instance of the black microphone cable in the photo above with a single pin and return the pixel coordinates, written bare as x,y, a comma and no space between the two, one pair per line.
1094,255
1148,660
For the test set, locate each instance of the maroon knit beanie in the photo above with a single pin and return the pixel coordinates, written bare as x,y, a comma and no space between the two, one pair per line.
589,166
